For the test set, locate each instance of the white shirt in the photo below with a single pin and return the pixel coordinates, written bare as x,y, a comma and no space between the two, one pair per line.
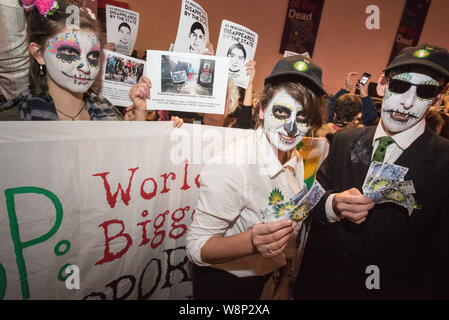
402,140
233,195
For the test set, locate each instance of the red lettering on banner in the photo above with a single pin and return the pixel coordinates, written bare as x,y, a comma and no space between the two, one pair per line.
157,232
151,195
109,256
166,176
145,239
185,185
182,227
125,195
197,181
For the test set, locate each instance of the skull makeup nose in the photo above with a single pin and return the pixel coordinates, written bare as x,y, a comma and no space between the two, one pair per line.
291,128
80,66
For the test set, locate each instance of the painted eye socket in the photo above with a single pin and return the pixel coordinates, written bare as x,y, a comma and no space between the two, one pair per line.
300,117
281,112
68,54
94,58
69,51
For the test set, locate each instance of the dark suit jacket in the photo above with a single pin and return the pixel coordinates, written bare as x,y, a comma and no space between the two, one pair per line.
412,252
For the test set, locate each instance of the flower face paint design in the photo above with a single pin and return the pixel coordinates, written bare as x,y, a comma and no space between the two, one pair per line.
73,60
284,122
401,111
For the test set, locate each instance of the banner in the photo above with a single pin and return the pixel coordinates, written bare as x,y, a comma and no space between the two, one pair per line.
301,26
238,44
110,201
412,23
100,210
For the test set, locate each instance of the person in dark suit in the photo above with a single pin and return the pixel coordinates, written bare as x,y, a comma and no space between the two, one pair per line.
359,250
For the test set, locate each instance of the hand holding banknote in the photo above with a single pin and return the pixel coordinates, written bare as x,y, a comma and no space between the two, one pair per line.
352,205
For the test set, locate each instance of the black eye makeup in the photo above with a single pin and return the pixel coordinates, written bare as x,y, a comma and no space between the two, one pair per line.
281,112
68,54
300,117
94,58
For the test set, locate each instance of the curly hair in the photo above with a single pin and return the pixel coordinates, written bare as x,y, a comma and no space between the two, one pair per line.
347,107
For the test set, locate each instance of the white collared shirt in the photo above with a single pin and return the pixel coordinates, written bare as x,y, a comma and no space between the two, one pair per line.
233,195
402,140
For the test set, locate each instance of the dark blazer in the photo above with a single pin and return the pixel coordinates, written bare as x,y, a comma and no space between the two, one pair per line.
412,252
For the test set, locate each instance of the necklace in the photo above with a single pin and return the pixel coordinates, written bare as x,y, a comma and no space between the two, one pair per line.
74,117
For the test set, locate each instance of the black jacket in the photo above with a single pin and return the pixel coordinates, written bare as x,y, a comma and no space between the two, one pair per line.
411,252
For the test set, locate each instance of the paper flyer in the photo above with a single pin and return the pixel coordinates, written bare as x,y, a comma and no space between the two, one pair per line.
238,44
193,29
291,53
120,73
122,26
187,82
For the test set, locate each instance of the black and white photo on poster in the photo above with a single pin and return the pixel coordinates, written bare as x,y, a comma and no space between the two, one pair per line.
238,44
122,26
187,82
193,29
120,73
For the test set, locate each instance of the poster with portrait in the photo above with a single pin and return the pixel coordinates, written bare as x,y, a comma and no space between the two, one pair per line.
187,82
239,44
120,73
193,29
122,26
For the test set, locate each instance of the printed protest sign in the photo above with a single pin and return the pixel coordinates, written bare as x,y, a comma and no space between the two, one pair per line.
122,26
193,29
187,82
120,73
239,44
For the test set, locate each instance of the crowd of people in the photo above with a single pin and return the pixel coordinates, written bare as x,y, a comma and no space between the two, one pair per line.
233,249
123,70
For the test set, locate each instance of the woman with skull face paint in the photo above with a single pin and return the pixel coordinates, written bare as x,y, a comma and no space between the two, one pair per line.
235,248
64,66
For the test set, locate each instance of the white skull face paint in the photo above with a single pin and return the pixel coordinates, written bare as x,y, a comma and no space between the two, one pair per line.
72,59
284,121
401,111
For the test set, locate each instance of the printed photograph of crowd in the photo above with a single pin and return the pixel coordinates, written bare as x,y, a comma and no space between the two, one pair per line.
184,75
123,70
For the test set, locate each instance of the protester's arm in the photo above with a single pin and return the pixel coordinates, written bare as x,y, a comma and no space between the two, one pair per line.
349,86
337,204
138,94
369,111
223,249
245,117
222,198
14,54
210,49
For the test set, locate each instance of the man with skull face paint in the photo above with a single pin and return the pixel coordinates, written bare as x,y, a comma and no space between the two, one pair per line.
234,250
349,232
